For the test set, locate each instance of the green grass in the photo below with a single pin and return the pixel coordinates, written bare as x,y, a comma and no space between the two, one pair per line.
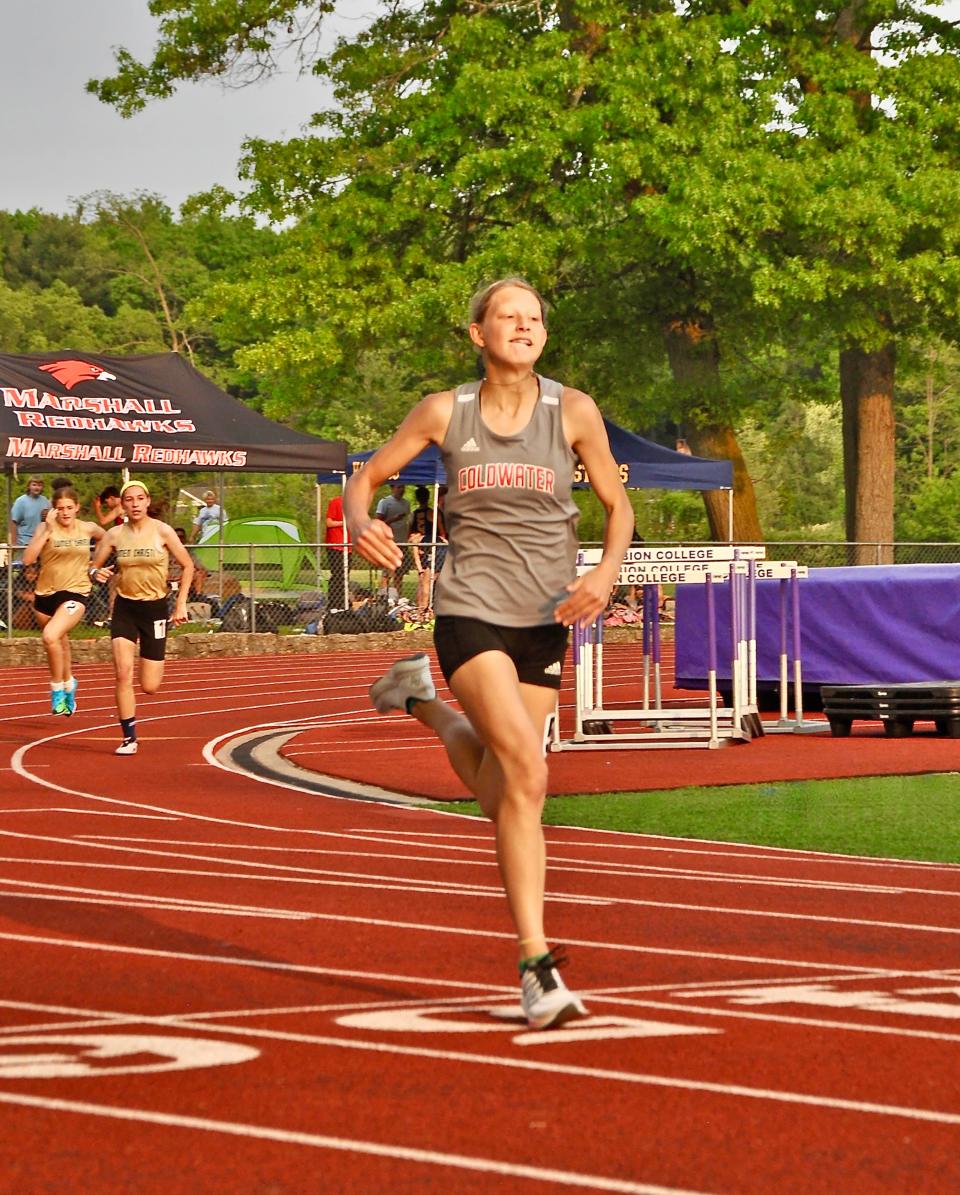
904,817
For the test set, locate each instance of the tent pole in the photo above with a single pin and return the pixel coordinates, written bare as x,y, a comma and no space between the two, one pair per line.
9,555
345,554
317,537
730,516
223,519
433,542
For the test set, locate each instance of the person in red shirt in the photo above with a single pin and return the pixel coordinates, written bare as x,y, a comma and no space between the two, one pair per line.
338,557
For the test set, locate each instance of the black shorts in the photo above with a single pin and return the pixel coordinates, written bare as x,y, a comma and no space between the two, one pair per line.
537,652
141,622
50,603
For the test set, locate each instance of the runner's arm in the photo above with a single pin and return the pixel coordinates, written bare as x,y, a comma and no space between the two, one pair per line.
587,437
37,540
425,424
99,569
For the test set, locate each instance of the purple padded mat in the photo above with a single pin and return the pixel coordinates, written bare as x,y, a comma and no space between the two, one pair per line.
865,625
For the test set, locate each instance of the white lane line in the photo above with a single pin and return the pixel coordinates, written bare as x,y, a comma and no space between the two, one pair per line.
260,964
146,903
854,971
364,878
646,842
328,876
353,879
149,817
753,851
338,880
566,1178
556,863
325,877
620,999
65,891
21,770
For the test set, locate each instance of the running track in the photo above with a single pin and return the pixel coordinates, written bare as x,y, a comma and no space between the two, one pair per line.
215,983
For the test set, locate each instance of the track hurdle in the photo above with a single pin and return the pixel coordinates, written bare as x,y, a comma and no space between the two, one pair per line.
654,725
789,574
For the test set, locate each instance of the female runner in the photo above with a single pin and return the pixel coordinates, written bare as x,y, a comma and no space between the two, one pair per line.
62,545
508,591
143,547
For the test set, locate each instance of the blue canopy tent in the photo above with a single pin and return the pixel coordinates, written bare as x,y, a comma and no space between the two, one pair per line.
425,469
644,465
648,466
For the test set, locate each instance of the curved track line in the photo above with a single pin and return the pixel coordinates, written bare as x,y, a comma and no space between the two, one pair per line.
257,754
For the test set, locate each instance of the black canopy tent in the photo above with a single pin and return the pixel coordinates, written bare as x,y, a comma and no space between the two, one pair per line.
73,412
77,412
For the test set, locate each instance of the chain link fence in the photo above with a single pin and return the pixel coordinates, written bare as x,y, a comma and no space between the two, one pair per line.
314,590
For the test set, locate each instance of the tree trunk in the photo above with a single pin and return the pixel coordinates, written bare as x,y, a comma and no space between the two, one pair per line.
694,357
869,451
849,390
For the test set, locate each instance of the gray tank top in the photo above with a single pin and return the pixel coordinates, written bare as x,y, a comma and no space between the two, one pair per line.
511,521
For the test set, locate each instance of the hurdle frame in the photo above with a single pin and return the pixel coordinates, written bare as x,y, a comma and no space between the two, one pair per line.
668,727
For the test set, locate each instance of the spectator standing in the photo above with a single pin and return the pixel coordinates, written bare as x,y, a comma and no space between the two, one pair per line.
395,512
337,551
27,511
209,515
424,550
107,507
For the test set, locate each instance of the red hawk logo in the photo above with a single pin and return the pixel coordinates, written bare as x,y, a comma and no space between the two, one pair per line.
69,373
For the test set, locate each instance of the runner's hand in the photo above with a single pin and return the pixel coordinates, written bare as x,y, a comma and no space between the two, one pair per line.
374,540
588,598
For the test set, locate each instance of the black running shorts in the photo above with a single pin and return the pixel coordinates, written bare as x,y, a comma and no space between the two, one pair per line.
50,603
143,622
537,652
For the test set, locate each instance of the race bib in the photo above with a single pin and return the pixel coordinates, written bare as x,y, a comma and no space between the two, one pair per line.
160,629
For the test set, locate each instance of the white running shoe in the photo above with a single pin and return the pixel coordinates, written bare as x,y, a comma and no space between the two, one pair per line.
407,680
127,747
546,999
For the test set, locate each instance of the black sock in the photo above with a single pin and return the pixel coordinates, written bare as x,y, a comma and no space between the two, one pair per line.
129,727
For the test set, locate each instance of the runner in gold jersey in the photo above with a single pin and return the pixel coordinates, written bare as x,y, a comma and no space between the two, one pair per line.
143,547
62,545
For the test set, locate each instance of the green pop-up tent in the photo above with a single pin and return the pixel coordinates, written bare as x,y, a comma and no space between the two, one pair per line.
278,545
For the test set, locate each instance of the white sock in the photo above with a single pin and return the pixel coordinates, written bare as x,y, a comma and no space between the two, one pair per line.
56,686
70,685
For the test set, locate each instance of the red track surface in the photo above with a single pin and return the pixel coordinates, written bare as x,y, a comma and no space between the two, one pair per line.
412,760
323,970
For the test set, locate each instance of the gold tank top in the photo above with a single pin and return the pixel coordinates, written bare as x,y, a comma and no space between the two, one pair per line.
142,565
64,561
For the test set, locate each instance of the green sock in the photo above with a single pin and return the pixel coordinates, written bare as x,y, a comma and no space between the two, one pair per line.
526,963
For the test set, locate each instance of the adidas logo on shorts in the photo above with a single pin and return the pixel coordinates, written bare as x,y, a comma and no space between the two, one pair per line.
553,669
470,446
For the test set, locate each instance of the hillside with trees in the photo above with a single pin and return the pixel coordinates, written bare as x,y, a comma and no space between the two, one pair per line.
745,220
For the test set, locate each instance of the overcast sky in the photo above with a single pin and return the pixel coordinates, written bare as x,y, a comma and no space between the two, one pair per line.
59,143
